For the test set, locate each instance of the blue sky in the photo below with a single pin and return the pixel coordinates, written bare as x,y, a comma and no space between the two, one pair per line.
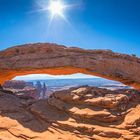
91,24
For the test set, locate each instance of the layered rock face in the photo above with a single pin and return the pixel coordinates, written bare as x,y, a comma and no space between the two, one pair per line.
14,84
84,113
18,87
56,59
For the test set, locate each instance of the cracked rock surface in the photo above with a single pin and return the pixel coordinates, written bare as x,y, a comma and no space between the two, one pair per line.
82,113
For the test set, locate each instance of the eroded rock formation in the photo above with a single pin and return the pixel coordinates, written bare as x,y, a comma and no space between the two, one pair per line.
84,113
56,59
15,84
78,113
23,88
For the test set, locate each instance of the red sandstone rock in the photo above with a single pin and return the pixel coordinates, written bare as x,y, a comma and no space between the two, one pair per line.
18,87
67,115
56,59
78,113
14,84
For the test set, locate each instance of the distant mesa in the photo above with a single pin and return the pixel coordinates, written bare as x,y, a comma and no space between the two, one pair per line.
27,89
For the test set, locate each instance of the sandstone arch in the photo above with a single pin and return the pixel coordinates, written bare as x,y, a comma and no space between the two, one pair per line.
56,59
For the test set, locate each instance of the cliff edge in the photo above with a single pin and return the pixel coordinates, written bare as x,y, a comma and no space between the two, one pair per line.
86,113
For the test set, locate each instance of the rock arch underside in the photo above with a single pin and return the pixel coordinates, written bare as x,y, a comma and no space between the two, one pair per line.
56,59
80,113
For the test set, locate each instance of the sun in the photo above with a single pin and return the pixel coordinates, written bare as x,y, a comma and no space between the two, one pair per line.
56,8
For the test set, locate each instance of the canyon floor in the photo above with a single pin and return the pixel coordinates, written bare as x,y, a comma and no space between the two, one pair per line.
82,113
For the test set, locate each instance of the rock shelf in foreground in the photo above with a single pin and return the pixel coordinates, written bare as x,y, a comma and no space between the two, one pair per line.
83,113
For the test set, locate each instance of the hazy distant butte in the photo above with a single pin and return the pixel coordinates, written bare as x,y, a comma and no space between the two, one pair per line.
55,59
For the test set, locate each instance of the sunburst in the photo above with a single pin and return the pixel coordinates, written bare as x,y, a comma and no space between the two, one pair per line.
56,8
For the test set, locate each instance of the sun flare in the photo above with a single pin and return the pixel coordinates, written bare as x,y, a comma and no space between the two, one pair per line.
56,8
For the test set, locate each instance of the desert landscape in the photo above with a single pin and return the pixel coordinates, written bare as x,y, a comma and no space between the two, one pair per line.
77,113
69,69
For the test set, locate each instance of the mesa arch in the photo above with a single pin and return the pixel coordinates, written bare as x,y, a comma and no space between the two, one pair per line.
57,59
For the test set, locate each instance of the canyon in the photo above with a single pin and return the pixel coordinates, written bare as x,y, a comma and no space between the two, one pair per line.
80,113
